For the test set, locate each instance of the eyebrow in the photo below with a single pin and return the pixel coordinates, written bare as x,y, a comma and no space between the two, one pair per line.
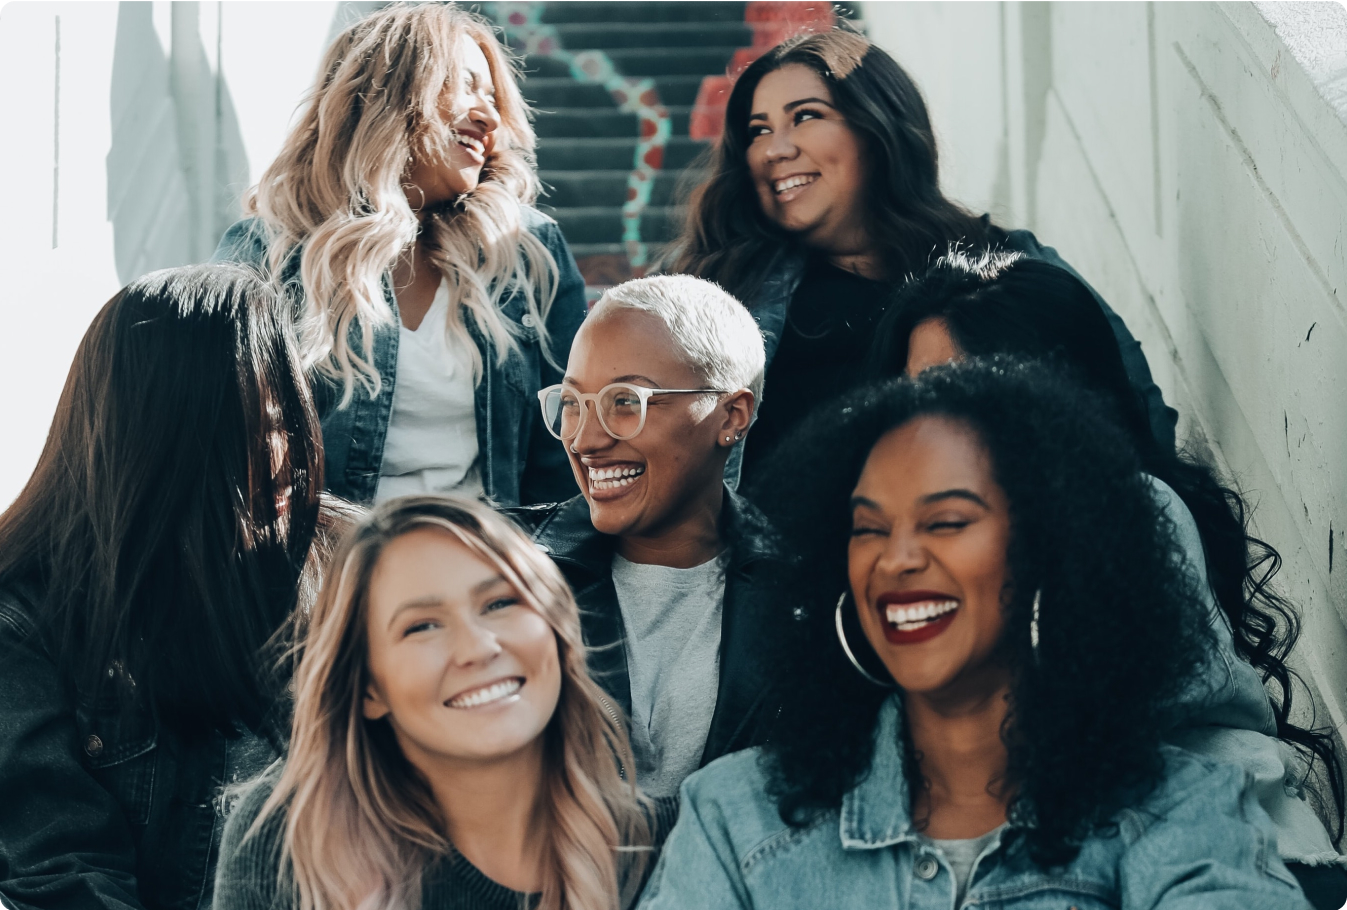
793,105
632,377
957,493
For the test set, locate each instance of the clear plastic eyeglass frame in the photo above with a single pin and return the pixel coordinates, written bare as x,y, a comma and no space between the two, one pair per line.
550,399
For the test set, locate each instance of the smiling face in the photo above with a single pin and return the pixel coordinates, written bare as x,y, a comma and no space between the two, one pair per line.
927,558
646,485
806,162
462,668
469,109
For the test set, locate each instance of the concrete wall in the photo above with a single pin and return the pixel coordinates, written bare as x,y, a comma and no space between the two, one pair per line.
1189,159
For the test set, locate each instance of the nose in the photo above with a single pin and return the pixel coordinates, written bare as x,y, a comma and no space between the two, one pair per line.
484,114
592,437
779,146
904,555
473,644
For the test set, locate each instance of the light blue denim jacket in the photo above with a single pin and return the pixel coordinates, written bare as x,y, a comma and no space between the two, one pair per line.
520,462
1199,842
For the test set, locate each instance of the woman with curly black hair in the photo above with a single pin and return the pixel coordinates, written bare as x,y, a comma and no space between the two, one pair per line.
980,304
980,715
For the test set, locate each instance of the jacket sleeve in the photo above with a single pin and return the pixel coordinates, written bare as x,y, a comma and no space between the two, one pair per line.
547,475
64,840
698,866
245,242
247,875
1211,848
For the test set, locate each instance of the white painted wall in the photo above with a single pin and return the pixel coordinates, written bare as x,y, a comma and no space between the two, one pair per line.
125,150
1190,159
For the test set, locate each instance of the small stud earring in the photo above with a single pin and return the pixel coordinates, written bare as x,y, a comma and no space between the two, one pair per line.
728,439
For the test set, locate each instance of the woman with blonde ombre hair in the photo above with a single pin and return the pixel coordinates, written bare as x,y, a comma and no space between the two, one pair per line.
448,747
432,299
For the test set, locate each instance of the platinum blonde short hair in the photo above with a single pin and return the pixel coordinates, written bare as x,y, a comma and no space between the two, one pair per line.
714,332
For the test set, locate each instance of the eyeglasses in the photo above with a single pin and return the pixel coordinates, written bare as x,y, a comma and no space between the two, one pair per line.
621,408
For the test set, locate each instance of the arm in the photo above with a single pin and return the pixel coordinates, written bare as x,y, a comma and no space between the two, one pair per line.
64,840
547,475
698,867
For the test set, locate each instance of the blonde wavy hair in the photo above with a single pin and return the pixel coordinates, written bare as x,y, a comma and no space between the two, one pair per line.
360,826
336,188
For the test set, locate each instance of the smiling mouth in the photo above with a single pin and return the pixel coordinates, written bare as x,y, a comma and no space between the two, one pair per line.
487,695
916,621
614,478
476,146
790,187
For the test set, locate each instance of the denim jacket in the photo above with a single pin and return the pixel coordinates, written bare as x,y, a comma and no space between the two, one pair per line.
101,808
783,276
518,460
1199,841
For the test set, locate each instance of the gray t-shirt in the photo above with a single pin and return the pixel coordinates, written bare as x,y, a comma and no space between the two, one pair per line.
961,855
672,618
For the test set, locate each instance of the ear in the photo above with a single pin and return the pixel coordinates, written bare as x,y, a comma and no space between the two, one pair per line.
738,416
374,706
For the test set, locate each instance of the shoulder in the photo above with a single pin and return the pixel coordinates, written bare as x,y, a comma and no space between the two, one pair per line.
247,874
532,518
18,612
730,795
244,241
1197,794
1177,512
541,225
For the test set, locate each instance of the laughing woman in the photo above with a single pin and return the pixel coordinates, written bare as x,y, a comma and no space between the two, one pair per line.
448,748
978,719
432,299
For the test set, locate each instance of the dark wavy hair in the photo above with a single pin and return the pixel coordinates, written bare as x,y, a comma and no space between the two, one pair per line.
729,240
169,518
1122,635
1001,303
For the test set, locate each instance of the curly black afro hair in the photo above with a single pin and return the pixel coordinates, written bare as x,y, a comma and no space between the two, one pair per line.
1122,633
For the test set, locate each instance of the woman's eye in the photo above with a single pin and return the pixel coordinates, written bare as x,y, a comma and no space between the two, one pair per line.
500,603
424,625
757,130
803,115
948,524
865,531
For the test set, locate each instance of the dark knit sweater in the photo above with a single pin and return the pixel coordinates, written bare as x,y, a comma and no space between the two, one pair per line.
247,877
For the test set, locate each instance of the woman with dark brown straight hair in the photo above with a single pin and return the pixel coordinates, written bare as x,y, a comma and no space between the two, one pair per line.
148,574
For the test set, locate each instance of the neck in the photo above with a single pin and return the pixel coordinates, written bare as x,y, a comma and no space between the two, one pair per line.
957,735
866,264
689,539
492,813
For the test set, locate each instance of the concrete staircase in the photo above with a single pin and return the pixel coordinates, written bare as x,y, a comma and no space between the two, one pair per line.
614,85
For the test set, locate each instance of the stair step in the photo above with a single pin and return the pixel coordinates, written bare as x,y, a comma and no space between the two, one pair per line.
612,35
666,11
555,92
657,61
569,189
578,122
609,154
603,224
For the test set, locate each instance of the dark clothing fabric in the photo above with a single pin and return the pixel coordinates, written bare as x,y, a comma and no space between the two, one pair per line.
774,306
824,342
1325,886
247,875
519,461
585,557
102,807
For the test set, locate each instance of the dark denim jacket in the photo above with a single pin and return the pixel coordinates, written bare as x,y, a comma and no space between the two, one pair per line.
585,557
519,461
772,301
101,808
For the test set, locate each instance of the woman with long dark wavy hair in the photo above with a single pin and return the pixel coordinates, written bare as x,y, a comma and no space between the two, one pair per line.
823,192
149,571
979,305
980,715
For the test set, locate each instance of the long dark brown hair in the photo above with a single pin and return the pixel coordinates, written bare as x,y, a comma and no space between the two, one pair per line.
729,240
168,519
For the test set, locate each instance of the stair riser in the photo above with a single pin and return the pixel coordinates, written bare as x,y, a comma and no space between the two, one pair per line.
698,62
571,189
587,123
610,154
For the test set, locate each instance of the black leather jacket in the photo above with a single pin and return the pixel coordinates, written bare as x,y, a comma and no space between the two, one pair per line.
585,557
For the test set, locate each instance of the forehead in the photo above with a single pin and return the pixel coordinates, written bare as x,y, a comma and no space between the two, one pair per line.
790,83
923,456
613,343
425,562
471,57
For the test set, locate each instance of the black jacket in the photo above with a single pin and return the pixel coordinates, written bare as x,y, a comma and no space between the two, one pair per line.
585,557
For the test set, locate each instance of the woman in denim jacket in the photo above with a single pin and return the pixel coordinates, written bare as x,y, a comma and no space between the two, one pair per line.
978,719
432,300
823,193
148,572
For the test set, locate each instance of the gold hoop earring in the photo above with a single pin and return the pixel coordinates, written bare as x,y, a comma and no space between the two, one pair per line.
420,205
846,646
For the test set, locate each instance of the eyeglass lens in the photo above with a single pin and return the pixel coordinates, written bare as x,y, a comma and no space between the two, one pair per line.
620,409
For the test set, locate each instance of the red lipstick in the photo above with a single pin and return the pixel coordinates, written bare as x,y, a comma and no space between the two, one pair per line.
918,629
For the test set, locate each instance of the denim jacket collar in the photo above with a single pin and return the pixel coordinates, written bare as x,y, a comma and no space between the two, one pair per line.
877,811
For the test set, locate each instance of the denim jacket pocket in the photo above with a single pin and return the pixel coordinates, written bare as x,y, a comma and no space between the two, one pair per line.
118,748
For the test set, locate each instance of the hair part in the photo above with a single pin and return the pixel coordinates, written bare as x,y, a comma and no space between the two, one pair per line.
336,190
360,823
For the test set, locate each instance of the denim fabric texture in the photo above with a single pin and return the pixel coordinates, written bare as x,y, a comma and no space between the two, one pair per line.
101,808
520,462
770,305
585,557
1199,841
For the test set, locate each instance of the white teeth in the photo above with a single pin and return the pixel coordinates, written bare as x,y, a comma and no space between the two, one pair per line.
918,615
611,478
494,692
475,144
791,182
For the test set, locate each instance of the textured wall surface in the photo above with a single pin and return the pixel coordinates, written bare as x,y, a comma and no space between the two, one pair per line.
1190,159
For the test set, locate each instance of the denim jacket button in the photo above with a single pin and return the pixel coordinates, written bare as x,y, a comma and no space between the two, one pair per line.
926,868
528,320
93,746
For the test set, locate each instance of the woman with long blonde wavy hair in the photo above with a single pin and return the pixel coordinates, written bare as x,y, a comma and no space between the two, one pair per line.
448,747
432,300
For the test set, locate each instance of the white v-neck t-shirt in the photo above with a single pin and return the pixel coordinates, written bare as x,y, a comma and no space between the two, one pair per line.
431,446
